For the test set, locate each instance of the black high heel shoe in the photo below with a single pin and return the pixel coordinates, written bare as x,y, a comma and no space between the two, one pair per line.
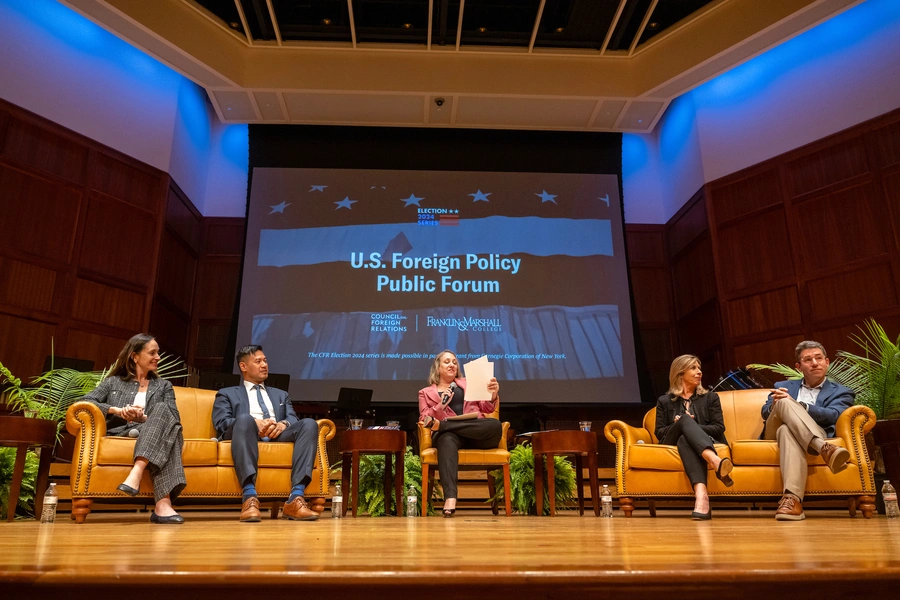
699,516
724,470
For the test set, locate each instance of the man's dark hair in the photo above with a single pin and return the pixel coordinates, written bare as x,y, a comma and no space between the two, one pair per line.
246,351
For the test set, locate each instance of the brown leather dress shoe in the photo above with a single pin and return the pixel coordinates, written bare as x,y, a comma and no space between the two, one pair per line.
250,510
835,457
299,510
789,509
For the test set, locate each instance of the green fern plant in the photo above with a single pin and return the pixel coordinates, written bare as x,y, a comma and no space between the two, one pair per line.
25,506
371,482
521,477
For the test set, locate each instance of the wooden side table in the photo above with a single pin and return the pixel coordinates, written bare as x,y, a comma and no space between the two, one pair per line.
564,442
389,442
23,433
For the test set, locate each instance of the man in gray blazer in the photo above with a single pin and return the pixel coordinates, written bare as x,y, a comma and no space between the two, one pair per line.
801,414
252,412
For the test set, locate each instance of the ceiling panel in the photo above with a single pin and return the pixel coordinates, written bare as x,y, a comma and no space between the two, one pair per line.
524,112
235,106
355,108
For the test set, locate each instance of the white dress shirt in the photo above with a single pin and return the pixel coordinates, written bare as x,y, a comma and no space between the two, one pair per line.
255,410
808,395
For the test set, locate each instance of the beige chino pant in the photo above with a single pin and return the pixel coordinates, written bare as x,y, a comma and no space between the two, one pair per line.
791,425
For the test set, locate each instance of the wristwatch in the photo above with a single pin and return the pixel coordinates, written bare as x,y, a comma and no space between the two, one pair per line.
286,424
804,405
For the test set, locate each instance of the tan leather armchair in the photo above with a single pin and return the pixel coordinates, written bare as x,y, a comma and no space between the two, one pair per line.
647,470
469,460
102,462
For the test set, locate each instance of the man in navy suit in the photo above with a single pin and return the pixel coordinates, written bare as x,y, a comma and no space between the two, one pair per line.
249,413
801,414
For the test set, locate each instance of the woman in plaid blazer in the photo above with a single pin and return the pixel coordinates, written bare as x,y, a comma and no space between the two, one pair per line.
139,404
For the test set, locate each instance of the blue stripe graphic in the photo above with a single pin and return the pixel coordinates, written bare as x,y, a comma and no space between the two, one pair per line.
536,236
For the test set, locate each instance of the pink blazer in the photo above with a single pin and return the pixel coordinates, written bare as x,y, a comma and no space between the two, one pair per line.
430,404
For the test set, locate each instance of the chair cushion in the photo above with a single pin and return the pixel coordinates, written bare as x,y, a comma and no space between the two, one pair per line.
765,452
494,456
661,458
271,454
114,450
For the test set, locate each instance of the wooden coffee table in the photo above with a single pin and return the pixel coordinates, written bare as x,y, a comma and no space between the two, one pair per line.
23,433
389,442
564,442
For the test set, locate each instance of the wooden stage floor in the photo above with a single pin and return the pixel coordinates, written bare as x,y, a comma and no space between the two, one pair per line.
739,554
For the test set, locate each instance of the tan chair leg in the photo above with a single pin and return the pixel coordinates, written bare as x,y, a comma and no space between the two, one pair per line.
81,508
507,486
275,510
867,505
426,491
851,506
492,491
627,506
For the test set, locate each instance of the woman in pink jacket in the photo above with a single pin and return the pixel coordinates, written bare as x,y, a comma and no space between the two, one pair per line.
444,397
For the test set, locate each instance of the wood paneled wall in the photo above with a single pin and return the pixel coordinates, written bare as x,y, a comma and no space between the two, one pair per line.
806,244
803,246
96,246
79,243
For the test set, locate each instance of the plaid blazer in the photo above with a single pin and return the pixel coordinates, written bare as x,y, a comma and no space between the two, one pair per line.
116,392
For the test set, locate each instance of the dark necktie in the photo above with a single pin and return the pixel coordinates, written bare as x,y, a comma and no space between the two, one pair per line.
262,403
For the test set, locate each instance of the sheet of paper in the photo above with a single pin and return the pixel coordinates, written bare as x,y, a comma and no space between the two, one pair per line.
478,375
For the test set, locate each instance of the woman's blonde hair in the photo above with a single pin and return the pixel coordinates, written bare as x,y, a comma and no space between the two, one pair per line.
676,374
434,376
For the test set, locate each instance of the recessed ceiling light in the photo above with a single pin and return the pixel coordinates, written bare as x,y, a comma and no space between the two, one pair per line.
559,29
482,30
653,25
326,21
234,25
407,26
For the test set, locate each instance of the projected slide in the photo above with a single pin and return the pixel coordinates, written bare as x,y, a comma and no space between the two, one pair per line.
358,277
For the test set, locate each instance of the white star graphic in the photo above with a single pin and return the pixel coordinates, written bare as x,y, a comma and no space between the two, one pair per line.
345,203
412,200
279,208
605,199
545,197
480,197
318,188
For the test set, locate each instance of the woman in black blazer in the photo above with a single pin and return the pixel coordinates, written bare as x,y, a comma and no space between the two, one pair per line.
690,417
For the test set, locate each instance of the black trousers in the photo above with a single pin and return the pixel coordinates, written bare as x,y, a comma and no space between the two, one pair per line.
691,441
453,436
244,436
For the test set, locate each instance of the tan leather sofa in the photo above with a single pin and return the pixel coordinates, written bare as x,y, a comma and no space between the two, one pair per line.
101,462
646,469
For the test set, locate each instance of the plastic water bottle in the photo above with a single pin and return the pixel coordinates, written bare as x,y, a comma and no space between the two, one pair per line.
337,502
412,503
890,499
605,502
51,499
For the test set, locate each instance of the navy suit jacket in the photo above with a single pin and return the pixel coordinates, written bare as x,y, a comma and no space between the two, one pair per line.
833,399
232,402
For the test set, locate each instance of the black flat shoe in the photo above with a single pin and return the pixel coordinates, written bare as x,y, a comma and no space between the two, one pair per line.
127,489
170,520
698,516
449,512
724,470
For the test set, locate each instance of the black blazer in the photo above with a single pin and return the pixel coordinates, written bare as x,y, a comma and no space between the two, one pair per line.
706,408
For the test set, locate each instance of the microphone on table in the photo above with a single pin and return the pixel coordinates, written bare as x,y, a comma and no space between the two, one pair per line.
448,395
